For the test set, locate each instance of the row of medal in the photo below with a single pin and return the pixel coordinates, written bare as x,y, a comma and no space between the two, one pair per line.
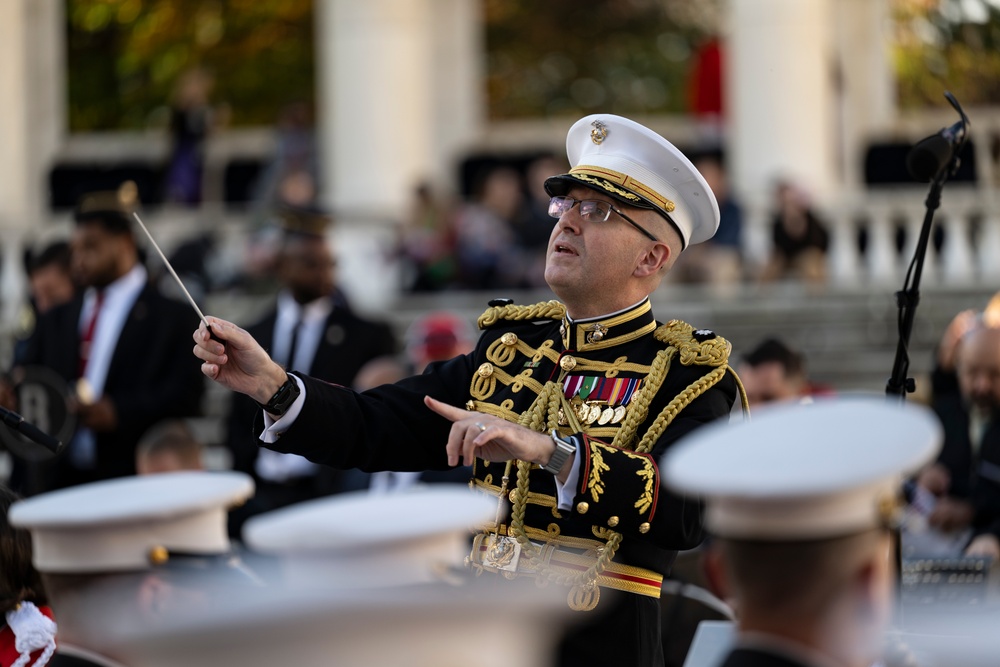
594,412
598,400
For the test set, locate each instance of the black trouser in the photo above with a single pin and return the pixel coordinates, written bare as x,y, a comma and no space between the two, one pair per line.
624,629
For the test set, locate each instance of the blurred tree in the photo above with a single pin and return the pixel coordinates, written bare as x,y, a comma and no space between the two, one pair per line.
124,57
947,45
567,56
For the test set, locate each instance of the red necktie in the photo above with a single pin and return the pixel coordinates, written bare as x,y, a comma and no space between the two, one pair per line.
88,334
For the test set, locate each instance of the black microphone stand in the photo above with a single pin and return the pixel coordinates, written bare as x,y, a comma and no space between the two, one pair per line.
908,298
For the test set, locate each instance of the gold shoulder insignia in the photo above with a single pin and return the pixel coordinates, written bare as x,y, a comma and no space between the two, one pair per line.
695,346
546,310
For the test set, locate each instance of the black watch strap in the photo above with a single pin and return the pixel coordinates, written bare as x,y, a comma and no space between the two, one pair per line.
283,398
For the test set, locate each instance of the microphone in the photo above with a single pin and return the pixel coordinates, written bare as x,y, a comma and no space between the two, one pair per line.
929,156
29,430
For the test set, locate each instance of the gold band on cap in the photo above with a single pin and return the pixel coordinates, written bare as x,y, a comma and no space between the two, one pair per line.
634,188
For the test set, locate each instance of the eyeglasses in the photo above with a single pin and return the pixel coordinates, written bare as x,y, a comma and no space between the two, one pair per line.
592,210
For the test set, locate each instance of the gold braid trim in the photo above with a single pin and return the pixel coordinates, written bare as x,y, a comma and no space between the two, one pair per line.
639,407
496,411
678,403
551,310
744,401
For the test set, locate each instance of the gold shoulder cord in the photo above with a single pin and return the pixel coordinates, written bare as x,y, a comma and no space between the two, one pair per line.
543,416
550,310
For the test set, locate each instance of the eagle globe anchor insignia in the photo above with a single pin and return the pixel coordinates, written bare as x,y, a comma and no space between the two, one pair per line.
503,554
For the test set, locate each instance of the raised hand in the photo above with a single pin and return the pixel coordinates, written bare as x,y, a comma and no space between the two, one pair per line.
238,362
491,438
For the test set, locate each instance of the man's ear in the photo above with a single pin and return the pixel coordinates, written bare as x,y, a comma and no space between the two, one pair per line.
654,261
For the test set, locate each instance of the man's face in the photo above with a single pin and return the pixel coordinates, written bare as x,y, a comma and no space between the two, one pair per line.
979,368
593,262
97,255
50,286
306,268
768,383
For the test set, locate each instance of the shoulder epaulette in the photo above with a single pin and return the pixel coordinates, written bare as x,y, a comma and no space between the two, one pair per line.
546,310
702,347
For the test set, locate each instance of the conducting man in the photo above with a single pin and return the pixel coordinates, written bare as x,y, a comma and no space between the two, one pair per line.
563,408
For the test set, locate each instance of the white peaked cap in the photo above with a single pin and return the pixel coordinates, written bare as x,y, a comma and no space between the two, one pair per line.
130,523
365,539
803,471
631,163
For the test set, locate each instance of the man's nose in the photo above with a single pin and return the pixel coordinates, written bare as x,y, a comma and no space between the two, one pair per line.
571,220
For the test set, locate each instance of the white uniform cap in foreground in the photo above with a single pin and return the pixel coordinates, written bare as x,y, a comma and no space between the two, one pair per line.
803,471
130,523
363,539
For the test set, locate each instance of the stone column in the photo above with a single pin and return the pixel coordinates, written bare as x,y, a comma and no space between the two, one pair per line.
780,75
865,83
32,128
400,94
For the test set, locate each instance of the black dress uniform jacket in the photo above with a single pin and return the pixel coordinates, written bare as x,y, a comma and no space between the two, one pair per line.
348,343
974,471
151,376
747,657
634,387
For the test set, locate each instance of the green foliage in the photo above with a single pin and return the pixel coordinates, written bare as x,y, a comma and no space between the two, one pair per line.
567,56
125,56
947,45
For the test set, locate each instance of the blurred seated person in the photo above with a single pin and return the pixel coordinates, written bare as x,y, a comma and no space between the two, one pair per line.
50,284
944,379
168,447
426,242
773,372
799,239
27,635
965,479
718,261
484,236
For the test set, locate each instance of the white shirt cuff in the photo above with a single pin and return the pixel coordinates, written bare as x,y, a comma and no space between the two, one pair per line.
274,429
565,493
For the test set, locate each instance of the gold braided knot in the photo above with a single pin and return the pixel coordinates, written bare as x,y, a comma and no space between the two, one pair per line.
678,334
552,310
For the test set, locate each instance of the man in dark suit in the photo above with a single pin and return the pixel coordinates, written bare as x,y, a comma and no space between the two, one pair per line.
121,343
312,329
801,502
966,476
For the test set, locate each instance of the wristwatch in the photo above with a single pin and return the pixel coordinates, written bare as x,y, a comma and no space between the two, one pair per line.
561,454
283,398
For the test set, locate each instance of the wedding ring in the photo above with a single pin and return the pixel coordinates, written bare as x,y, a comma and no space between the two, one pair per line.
480,426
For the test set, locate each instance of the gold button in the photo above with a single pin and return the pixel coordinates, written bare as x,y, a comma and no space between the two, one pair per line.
513,495
613,521
485,370
470,405
509,338
567,363
158,555
643,528
582,508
